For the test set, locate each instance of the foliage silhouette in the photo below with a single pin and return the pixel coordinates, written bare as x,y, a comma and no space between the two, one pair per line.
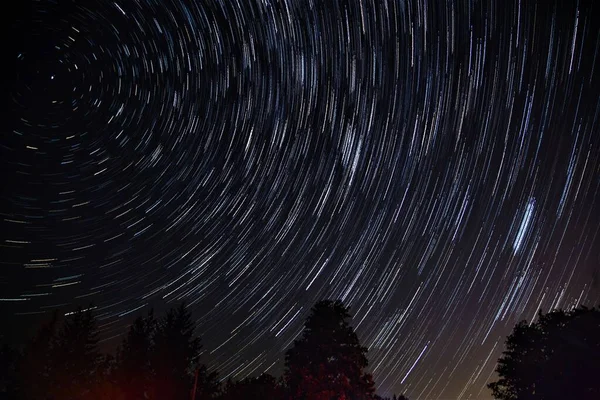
159,359
8,372
133,369
328,362
207,384
175,356
35,367
263,387
402,397
77,359
556,357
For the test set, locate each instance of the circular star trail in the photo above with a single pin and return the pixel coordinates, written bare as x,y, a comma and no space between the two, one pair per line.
435,165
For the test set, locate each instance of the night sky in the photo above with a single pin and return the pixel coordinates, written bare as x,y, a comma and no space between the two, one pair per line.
433,164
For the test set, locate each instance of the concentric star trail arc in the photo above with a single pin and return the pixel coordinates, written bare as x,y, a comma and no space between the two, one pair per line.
432,164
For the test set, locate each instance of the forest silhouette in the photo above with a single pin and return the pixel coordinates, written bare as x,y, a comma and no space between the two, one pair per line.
159,359
556,357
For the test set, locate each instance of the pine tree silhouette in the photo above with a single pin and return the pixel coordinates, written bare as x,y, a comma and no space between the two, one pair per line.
133,373
175,356
36,367
76,356
555,357
328,362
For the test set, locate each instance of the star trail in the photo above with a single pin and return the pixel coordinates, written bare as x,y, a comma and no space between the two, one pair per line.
433,164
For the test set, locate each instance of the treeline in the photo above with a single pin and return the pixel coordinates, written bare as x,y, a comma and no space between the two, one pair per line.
159,359
557,357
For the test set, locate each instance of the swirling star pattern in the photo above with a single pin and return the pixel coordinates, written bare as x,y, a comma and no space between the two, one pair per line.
435,165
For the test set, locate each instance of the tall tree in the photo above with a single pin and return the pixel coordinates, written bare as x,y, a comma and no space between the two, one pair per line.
133,372
555,357
36,367
175,356
328,362
76,356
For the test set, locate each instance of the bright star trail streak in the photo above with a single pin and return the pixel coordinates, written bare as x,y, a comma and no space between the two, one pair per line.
435,164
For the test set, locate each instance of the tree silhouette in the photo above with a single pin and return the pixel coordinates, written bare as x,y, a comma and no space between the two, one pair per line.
206,383
8,372
258,388
555,357
35,372
133,373
106,386
175,356
402,397
159,359
328,362
78,362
